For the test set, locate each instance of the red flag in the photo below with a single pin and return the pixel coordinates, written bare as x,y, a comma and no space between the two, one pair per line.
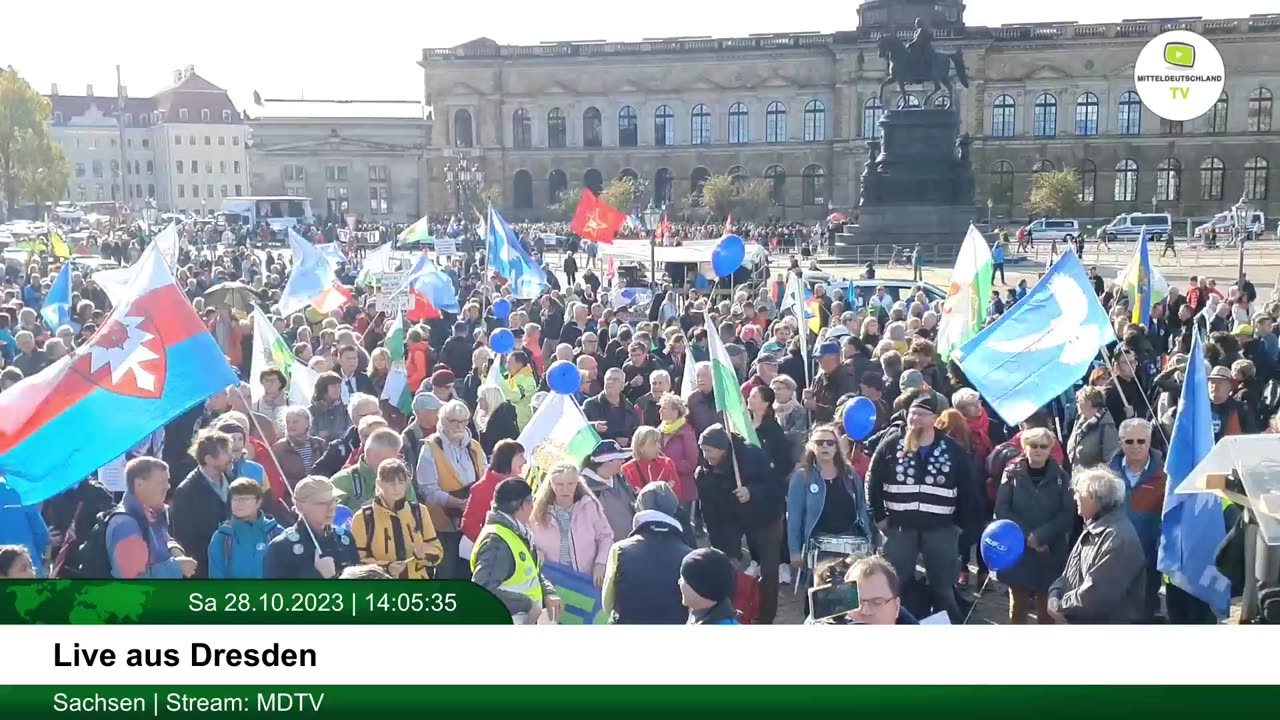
664,228
728,224
420,308
596,220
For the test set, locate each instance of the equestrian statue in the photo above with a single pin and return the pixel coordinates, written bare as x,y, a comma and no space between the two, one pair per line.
917,63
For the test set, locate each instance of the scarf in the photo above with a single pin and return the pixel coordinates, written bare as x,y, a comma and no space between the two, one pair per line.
782,410
672,427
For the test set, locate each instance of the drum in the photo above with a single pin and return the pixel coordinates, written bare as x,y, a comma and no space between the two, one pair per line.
840,545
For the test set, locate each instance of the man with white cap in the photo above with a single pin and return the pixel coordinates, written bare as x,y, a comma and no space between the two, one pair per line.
313,548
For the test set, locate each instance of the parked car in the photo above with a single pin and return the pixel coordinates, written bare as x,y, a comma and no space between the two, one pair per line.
1054,230
898,289
1223,222
1129,226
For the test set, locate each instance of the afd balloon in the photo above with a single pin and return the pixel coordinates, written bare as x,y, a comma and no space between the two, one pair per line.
1002,544
563,377
859,419
502,308
502,341
728,255
342,517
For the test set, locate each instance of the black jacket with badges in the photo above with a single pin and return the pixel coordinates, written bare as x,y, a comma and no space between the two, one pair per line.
292,556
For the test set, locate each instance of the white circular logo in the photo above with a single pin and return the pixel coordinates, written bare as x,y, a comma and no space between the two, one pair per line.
1179,75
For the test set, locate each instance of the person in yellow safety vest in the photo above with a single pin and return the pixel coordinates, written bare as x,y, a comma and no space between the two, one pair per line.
504,560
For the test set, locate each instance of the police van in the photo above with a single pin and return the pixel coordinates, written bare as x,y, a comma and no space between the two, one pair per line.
1130,226
1054,230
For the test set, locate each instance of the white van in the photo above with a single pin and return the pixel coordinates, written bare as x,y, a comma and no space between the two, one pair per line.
1223,222
1054,230
1130,226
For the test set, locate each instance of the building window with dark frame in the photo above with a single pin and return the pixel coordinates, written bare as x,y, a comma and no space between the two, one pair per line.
872,111
777,178
628,127
1170,127
1045,116
557,184
1255,178
813,186
907,101
1126,186
592,128
1218,115
1003,113
1002,183
521,129
775,122
664,126
1130,116
739,124
661,187
1169,180
697,179
593,180
556,128
522,190
1088,173
463,132
1213,173
700,125
1260,110
815,121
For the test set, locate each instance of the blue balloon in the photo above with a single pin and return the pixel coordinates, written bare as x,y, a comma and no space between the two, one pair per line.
728,255
859,419
502,308
1002,544
502,341
563,377
342,517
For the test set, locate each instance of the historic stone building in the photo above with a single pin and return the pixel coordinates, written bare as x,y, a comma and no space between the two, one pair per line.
799,108
358,157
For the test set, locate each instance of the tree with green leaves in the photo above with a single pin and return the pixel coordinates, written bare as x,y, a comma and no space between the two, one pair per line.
1055,194
724,194
32,166
564,207
622,193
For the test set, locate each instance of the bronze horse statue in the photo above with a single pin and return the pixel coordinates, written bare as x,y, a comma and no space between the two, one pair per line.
903,70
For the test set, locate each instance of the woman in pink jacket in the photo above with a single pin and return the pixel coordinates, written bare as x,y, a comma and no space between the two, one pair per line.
569,525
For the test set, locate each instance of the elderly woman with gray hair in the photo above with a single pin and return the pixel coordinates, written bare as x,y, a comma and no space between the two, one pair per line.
450,462
1105,577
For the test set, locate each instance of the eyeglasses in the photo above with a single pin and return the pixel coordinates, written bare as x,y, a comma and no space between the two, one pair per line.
1135,441
824,443
875,603
1037,447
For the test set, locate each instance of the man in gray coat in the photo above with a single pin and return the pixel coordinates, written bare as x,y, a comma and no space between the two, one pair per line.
1105,579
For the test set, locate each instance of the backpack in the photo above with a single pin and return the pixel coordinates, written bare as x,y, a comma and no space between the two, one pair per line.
93,558
997,461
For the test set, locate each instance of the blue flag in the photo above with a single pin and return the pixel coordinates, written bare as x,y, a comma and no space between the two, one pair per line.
1041,346
1191,526
431,284
56,310
1142,291
583,604
509,259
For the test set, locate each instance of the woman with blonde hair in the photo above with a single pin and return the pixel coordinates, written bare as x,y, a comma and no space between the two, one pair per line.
825,497
568,523
648,464
680,445
379,371
495,417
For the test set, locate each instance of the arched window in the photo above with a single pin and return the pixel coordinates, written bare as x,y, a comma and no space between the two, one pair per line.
1087,115
557,184
943,102
1002,115
775,122
813,186
591,128
908,101
556,132
697,179
815,121
628,127
462,130
738,121
738,175
664,126
521,130
1088,181
628,173
1043,166
593,180
1044,116
700,125
1002,183
1212,174
661,187
1218,115
777,178
872,111
1255,179
1126,189
1169,180
1260,110
1130,113
522,190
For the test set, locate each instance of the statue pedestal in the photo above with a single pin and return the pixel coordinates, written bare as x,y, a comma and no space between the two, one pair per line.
917,188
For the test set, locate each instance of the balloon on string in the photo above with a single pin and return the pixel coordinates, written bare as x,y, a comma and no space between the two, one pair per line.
502,308
728,255
502,341
342,517
859,419
563,377
1002,544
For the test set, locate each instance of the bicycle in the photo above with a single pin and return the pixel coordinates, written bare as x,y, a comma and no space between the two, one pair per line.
901,257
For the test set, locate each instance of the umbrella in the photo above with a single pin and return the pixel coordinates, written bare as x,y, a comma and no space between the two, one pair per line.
837,217
234,295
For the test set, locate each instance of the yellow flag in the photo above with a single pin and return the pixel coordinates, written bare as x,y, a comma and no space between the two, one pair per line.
58,246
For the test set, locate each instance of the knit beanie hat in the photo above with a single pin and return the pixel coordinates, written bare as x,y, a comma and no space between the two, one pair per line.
709,573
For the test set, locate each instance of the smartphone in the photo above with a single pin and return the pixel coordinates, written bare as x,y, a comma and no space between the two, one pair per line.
828,601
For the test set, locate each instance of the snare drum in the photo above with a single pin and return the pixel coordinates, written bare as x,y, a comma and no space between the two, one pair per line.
841,545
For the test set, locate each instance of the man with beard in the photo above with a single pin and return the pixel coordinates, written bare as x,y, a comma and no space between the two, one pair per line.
200,502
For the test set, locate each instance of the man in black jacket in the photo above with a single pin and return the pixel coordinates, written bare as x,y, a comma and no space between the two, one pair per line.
457,350
740,495
612,416
643,571
200,502
833,381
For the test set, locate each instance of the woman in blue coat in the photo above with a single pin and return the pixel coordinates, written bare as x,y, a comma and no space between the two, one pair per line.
826,498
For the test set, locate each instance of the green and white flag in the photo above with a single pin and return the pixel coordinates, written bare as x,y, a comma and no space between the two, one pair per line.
557,432
271,351
417,233
965,309
396,390
728,391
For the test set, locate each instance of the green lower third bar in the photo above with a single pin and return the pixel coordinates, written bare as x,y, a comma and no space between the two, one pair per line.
641,703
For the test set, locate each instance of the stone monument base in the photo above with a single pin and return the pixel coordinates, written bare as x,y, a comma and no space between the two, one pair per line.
938,229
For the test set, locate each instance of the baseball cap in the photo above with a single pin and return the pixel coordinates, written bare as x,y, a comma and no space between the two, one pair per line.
827,348
1243,329
1220,373
911,379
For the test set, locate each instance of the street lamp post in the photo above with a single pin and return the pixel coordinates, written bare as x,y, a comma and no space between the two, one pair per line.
1240,216
463,179
990,204
1154,199
651,215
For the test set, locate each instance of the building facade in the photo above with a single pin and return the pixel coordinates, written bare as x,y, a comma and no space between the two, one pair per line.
798,110
184,148
362,158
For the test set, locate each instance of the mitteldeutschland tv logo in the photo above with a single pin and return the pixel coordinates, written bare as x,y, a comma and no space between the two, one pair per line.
1179,75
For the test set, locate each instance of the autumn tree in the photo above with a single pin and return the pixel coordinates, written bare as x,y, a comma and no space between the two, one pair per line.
32,166
565,205
622,193
1055,194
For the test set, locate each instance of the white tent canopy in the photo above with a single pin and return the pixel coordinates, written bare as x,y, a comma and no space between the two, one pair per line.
693,251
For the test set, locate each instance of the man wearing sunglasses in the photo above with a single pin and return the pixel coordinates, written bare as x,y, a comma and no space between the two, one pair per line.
1142,469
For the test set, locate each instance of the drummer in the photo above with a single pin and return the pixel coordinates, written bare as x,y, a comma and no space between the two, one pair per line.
828,513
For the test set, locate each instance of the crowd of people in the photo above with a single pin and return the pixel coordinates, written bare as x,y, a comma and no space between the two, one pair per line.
673,516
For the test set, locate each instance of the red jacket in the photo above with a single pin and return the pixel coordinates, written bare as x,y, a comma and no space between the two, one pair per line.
639,473
479,503
416,365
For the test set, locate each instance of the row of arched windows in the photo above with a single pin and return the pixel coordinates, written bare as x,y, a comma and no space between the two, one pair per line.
1044,114
813,180
738,126
1168,177
873,111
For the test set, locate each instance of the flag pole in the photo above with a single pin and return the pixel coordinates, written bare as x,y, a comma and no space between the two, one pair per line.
737,476
276,461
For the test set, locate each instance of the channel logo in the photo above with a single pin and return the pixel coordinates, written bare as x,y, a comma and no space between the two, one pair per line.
1180,54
